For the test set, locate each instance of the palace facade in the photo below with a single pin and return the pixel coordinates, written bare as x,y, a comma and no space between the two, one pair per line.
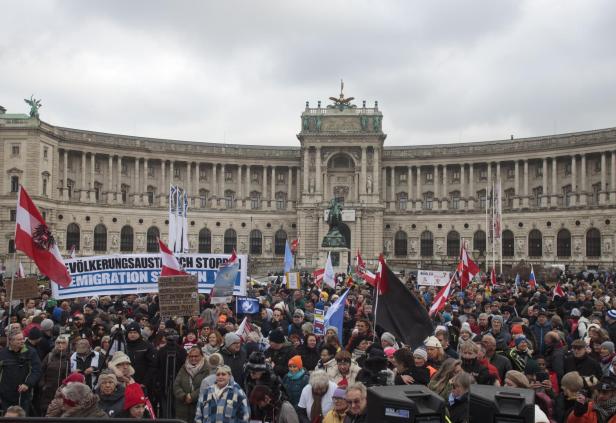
107,193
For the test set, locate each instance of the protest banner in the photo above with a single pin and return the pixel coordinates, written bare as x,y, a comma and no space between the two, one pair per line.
177,296
433,277
293,280
123,274
22,288
319,322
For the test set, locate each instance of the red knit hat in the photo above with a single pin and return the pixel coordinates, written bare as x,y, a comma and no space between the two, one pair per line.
74,377
133,395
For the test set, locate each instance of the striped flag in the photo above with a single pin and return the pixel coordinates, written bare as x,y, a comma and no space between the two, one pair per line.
364,273
532,280
171,266
20,271
558,291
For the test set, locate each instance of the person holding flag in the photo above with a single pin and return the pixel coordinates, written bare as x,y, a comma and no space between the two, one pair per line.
532,280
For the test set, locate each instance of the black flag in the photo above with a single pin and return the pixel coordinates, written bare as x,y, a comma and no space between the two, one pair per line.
400,312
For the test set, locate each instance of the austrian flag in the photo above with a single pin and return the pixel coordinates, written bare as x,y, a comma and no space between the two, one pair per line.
33,237
171,266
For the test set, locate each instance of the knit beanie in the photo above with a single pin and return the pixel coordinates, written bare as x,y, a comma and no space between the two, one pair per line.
74,377
520,339
47,324
133,395
608,345
231,338
466,327
339,393
517,330
276,336
389,338
297,360
421,353
256,362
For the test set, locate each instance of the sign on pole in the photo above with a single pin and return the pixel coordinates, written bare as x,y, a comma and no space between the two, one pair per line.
23,288
178,296
293,280
433,277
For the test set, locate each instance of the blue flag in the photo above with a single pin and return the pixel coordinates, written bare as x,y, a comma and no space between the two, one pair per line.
246,305
335,314
225,281
517,279
288,257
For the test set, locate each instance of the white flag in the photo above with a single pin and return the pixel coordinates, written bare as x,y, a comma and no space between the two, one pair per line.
329,277
172,218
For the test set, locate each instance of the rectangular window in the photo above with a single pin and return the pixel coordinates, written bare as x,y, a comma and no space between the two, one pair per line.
567,191
402,177
510,173
483,174
97,193
45,153
537,193
228,176
455,176
202,174
539,170
482,200
281,202
176,172
14,183
255,177
45,187
568,168
402,201
280,178
124,168
97,166
150,171
255,201
15,150
427,201
596,189
13,215
509,194
70,186
429,177
230,200
150,198
455,201
598,166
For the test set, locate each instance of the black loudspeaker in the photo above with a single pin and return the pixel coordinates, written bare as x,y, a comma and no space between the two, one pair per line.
404,403
501,404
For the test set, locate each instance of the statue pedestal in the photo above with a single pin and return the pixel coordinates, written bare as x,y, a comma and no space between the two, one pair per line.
340,264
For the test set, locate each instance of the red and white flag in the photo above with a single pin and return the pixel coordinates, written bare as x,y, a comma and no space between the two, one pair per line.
492,280
318,276
232,259
20,271
294,245
171,266
72,254
380,280
364,273
558,291
33,238
244,330
441,298
469,268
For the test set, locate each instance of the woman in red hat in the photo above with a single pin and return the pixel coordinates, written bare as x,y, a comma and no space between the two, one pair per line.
136,404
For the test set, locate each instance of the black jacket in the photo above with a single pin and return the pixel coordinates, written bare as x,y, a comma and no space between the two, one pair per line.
458,411
16,368
111,404
168,367
236,362
585,366
421,376
144,359
280,358
310,357
480,373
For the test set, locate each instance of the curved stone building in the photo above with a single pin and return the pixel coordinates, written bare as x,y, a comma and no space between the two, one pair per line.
107,193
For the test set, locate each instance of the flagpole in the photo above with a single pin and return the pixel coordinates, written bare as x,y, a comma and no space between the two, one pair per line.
487,229
376,301
493,230
500,225
12,284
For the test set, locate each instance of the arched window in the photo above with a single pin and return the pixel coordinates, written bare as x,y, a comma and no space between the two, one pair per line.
593,243
203,194
72,236
508,245
152,237
400,244
11,246
230,241
126,239
427,244
479,242
535,243
563,243
453,244
100,238
205,241
256,242
280,240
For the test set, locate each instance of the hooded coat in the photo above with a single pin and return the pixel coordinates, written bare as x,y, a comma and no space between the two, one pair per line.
185,384
112,404
55,368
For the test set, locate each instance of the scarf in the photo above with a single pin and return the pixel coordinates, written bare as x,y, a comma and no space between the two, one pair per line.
193,370
606,409
316,411
297,375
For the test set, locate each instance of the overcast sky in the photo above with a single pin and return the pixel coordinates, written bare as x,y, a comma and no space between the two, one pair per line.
241,71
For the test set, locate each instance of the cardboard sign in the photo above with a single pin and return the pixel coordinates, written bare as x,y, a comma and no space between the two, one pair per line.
432,277
293,280
23,288
178,296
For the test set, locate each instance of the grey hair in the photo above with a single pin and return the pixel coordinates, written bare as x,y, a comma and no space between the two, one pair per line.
12,333
225,369
319,378
358,386
77,392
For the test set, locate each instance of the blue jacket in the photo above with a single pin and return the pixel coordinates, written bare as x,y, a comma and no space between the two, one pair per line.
539,332
231,407
293,384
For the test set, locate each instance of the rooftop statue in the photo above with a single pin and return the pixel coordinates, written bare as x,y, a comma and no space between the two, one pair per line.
341,103
35,105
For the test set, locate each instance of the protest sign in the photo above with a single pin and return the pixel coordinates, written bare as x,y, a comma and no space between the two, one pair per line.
433,277
319,322
177,296
293,280
22,288
123,274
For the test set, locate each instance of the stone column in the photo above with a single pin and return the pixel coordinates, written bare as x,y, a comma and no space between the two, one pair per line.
171,172
471,186
119,185
65,175
273,187
289,187
516,185
376,187
214,183
418,193
554,193
163,187
435,184
603,192
498,172
83,190
574,189
110,181
462,187
409,183
240,188
305,166
489,168
248,182
525,199
583,191
362,177
298,193
393,188
144,186
92,181
544,196
318,175
385,191
445,196
613,179
137,185
189,182
222,185
265,195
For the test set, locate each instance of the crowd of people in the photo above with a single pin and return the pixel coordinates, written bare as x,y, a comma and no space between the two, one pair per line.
117,357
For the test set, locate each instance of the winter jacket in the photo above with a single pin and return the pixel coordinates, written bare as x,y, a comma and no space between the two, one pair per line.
421,376
166,365
143,358
555,359
86,408
336,377
310,357
330,367
236,362
479,372
585,366
282,413
270,379
333,416
185,384
80,364
293,385
502,364
280,358
55,368
16,368
230,407
519,359
590,416
112,404
351,418
539,332
458,411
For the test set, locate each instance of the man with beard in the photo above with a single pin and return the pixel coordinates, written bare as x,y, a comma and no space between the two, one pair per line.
143,356
86,362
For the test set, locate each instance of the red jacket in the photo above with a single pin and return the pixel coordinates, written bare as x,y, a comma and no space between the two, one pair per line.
491,368
589,417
